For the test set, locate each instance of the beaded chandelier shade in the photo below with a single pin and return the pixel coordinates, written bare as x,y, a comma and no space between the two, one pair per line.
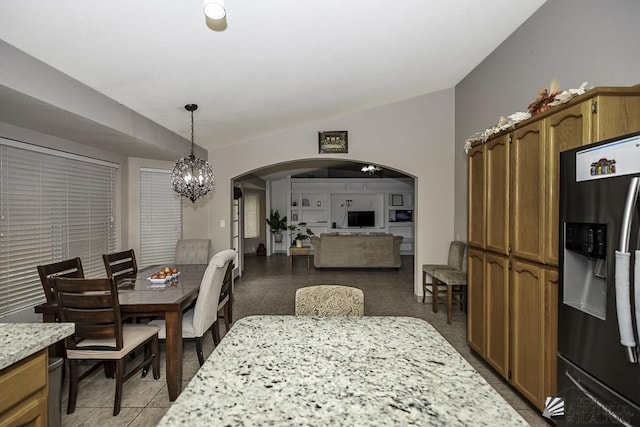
191,177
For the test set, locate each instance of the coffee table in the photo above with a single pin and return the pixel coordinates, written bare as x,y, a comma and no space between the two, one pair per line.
300,251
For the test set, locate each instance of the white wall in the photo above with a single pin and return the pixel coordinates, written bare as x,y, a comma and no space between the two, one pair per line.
415,136
570,40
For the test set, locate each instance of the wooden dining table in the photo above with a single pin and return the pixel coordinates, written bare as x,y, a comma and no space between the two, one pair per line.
140,299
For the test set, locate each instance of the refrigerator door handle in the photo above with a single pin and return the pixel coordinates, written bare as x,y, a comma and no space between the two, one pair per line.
596,401
622,273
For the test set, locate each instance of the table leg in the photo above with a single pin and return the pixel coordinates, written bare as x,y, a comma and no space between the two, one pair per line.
290,262
308,262
173,322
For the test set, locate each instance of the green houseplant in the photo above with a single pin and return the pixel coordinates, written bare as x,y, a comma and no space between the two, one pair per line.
277,225
299,233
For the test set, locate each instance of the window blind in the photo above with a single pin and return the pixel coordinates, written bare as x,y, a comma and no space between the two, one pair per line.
251,203
160,218
52,207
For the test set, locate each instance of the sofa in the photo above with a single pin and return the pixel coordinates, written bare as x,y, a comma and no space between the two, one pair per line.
357,250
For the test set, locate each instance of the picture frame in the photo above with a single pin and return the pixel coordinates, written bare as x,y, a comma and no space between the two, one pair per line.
294,217
330,142
396,200
305,202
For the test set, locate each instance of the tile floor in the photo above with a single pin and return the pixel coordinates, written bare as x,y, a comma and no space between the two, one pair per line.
268,287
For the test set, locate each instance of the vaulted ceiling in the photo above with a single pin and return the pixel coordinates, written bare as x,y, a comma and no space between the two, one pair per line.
272,65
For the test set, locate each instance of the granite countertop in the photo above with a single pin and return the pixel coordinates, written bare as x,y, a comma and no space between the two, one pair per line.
338,371
20,340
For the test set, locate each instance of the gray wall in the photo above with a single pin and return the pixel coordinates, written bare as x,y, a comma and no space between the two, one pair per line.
570,40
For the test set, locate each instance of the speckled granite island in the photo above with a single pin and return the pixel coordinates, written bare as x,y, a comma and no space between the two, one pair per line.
20,340
24,370
337,371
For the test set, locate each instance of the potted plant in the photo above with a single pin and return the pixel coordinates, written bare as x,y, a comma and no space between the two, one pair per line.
299,233
277,225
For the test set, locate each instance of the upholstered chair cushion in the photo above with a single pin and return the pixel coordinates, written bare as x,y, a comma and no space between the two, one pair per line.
329,300
193,251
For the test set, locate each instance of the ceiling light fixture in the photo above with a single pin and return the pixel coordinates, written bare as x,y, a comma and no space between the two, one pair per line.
191,177
370,169
214,9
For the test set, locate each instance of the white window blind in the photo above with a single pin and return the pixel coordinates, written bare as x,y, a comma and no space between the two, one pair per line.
53,206
251,204
160,218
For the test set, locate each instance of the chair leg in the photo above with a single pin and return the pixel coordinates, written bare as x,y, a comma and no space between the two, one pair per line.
155,349
435,284
147,353
424,286
119,380
73,386
108,369
199,350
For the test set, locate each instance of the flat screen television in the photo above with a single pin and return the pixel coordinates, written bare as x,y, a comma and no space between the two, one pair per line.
361,219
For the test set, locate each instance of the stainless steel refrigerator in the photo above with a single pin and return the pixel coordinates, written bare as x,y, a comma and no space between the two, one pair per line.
599,304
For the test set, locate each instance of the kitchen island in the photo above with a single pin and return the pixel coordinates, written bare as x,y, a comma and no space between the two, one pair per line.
338,371
24,370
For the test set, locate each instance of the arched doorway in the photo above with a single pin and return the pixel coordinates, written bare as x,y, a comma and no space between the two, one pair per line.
388,192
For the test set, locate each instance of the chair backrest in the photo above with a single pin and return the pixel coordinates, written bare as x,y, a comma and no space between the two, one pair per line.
227,284
92,304
457,255
193,251
329,300
121,265
67,268
205,311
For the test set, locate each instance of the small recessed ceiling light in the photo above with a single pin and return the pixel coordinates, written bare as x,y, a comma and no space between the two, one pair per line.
214,9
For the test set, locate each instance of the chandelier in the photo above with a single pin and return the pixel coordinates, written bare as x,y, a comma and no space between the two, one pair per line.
191,177
370,169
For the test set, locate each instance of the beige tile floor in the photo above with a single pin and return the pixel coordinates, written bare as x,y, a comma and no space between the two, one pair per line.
268,287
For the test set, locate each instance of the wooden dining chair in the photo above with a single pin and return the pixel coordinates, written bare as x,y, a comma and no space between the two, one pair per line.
329,300
100,336
66,268
204,315
225,304
121,265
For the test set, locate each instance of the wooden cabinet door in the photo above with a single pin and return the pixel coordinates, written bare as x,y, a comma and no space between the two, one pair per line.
551,333
496,269
475,300
497,184
527,192
614,116
476,197
527,331
567,129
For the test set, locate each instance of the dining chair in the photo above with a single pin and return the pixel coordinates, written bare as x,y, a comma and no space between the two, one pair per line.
100,336
204,315
121,265
329,300
193,251
67,268
456,260
456,284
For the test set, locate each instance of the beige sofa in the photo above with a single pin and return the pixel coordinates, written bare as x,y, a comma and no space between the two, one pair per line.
356,250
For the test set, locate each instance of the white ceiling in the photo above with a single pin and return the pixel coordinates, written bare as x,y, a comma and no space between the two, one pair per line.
276,65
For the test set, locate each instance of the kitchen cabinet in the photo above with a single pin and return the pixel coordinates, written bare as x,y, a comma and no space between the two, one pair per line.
496,287
513,224
527,330
477,197
527,192
475,300
497,194
25,385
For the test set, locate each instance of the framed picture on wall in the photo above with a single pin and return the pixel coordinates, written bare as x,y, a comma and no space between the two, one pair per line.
396,200
333,142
